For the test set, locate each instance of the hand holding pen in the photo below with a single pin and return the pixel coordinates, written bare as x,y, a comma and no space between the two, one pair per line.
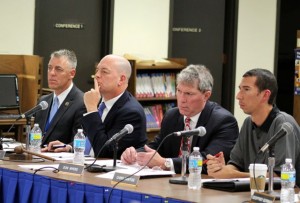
56,146
218,158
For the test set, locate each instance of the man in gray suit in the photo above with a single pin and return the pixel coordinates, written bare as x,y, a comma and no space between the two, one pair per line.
59,123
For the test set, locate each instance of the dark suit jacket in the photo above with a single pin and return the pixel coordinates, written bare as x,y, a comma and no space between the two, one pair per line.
67,119
126,110
221,133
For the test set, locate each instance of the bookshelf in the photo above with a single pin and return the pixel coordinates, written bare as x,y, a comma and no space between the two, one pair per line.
153,83
296,110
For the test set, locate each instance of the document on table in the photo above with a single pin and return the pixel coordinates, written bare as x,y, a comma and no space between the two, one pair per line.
60,156
132,169
39,166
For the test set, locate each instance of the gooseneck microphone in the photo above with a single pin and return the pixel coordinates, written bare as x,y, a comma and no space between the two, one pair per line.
126,130
285,129
200,131
41,106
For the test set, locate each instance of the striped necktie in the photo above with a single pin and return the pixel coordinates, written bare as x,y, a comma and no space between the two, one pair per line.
88,145
187,126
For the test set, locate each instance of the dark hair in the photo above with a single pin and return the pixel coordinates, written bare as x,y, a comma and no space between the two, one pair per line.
264,80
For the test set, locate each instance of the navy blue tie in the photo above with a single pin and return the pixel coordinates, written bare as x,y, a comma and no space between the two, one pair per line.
88,145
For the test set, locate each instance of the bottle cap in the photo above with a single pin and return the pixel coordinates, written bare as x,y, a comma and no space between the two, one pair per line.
36,125
196,148
288,160
80,130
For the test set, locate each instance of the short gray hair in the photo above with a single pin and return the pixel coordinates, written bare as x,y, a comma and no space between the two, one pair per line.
70,56
198,73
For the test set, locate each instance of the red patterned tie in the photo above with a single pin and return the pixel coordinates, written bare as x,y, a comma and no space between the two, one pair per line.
187,126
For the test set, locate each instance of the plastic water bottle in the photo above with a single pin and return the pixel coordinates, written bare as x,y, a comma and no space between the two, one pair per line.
79,147
35,139
288,178
195,168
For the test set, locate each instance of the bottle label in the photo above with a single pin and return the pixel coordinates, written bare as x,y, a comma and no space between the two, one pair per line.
291,176
35,136
193,163
79,143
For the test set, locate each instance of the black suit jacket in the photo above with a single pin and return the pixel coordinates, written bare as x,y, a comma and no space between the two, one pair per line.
67,119
126,110
221,133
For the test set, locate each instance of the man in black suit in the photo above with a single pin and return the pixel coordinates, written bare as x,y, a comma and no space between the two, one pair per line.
194,88
62,125
121,108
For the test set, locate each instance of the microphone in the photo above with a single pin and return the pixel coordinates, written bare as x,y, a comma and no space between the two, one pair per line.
21,150
41,106
200,131
126,130
286,128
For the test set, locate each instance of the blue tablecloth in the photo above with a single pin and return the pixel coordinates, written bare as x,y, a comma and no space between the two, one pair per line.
25,187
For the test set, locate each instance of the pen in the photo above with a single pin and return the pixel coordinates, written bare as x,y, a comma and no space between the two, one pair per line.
55,146
217,155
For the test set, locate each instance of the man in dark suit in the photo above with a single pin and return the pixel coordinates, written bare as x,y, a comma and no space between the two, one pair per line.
194,88
119,109
61,126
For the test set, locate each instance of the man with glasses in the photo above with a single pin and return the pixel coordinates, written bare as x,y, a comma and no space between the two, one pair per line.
59,122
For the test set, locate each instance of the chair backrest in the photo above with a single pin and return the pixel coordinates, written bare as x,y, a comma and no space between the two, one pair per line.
9,92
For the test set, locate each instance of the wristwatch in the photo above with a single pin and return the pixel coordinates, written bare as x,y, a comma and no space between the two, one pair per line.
168,163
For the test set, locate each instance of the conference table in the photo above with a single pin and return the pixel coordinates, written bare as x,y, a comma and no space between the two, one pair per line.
23,185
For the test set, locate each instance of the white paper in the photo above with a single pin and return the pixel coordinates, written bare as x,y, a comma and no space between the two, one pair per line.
132,169
60,156
39,166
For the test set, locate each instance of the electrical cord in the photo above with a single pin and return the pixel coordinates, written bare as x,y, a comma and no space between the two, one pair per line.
115,185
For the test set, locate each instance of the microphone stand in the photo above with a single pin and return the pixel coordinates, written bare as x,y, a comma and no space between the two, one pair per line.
114,167
24,156
271,164
185,153
28,129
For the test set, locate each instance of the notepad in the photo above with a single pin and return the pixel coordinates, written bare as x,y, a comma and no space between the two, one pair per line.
235,185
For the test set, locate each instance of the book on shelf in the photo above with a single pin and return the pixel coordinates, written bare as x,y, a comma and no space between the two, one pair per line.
154,114
151,121
155,85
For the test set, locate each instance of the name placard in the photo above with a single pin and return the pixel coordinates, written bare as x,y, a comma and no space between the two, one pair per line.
131,181
70,168
259,197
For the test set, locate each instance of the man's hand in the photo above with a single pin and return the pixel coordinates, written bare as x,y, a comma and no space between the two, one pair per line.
143,157
216,168
129,156
91,98
57,146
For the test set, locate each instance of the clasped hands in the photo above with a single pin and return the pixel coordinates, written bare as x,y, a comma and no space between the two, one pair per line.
216,165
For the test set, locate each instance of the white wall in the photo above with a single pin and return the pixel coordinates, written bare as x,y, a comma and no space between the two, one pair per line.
255,42
17,26
141,27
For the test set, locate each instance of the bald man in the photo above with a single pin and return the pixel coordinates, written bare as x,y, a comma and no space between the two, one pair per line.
118,108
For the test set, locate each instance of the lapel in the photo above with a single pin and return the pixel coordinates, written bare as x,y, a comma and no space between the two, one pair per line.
117,105
66,104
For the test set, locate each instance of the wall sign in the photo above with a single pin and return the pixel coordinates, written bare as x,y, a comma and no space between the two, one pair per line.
78,26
